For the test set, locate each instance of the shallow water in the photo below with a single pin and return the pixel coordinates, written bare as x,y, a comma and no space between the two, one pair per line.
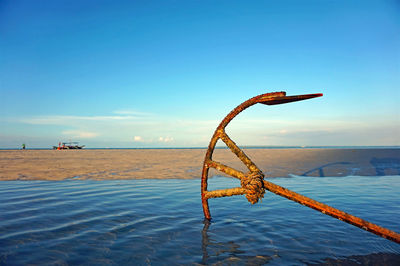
141,222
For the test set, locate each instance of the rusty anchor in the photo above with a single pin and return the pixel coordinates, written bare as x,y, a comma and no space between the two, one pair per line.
253,184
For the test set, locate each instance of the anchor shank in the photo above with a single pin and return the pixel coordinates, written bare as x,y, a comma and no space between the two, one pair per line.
328,210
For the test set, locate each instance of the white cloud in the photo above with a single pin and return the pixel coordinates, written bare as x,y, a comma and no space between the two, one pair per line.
80,134
137,139
165,139
157,130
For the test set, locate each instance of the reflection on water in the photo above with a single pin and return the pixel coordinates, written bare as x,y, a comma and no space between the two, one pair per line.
140,222
382,165
227,253
320,169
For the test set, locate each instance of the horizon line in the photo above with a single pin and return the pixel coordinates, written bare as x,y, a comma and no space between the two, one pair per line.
225,147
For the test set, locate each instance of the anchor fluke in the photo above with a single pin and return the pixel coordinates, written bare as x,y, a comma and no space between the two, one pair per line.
287,99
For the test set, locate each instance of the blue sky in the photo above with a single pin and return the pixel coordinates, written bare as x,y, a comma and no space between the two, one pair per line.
164,73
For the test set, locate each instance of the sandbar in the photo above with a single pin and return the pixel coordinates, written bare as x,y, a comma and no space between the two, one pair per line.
105,164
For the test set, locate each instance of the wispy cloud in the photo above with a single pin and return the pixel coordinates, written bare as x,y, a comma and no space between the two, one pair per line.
63,120
80,134
131,113
165,139
149,129
141,129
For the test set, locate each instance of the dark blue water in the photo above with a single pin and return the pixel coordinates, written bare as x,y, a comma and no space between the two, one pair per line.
160,222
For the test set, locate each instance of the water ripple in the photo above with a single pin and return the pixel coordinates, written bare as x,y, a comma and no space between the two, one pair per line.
137,222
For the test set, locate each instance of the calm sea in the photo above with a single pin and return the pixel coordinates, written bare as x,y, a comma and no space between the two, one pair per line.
223,147
160,222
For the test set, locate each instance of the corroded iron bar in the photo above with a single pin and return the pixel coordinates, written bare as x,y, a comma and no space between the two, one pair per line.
338,214
225,192
239,153
271,99
225,169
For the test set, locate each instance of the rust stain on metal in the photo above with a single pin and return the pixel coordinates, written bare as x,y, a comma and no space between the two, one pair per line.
253,184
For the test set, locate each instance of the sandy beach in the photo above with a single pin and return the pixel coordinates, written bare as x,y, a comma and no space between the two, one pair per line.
187,163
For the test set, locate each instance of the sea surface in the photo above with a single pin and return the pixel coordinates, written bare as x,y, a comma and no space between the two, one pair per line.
160,222
219,147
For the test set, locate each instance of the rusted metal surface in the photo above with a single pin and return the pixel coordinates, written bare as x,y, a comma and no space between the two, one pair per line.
253,183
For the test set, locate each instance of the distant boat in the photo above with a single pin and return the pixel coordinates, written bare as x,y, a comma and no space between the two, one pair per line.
68,146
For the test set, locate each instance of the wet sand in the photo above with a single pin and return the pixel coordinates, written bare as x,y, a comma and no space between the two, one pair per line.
187,163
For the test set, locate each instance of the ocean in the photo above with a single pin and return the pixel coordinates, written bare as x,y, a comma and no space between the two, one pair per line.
160,222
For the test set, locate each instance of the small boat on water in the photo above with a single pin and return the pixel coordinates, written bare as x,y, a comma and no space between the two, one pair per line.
68,146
